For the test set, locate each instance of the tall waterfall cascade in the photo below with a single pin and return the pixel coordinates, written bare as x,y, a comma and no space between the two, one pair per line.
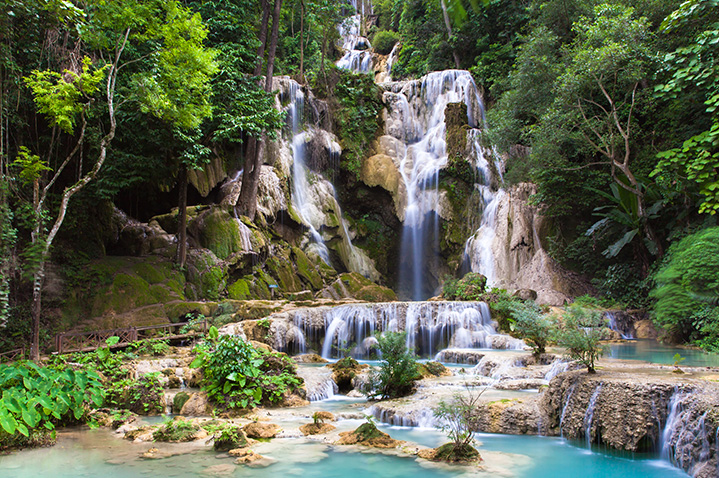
416,140
313,197
357,48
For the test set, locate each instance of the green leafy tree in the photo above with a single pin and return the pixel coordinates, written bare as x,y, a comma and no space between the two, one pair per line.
398,368
687,291
580,332
691,67
532,326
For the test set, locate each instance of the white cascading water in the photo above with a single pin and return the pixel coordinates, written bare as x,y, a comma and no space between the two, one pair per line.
358,51
685,438
309,212
430,326
308,205
614,325
589,415
420,107
478,252
245,236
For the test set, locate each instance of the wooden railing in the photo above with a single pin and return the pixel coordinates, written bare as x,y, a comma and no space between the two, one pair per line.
12,355
88,341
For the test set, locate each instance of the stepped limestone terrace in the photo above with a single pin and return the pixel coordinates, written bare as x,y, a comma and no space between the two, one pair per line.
431,327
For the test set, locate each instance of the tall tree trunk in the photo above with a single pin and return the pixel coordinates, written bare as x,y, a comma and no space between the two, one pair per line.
263,37
448,25
302,42
182,218
247,202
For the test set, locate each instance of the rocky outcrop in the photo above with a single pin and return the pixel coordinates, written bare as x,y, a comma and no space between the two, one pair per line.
520,257
638,412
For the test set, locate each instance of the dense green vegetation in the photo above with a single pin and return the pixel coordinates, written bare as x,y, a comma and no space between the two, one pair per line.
608,106
397,372
236,375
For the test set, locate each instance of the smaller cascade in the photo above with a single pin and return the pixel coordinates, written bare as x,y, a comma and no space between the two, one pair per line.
478,253
557,367
622,327
589,415
358,51
423,418
318,383
245,236
570,394
685,440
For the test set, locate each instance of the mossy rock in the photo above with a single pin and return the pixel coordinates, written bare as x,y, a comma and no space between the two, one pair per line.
177,430
239,290
176,311
179,401
306,269
462,454
364,289
281,269
217,231
206,276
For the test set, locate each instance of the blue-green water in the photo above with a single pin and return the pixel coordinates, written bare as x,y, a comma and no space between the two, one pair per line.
96,453
654,352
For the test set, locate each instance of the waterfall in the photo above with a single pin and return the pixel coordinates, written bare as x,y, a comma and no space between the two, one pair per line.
245,236
570,393
358,54
685,438
625,331
478,252
589,415
430,327
420,108
423,418
557,367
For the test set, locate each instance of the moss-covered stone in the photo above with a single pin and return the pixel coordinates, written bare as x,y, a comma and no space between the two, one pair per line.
239,290
178,310
306,269
280,267
179,401
217,231
206,276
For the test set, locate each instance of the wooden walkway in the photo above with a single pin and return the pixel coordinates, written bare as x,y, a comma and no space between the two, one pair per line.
89,341
12,355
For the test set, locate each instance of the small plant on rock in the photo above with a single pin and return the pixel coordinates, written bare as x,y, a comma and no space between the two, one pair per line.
458,420
176,430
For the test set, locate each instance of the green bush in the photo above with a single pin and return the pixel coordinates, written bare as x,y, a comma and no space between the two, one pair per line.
532,326
384,41
687,289
580,333
34,399
227,436
237,375
470,287
144,396
398,368
176,430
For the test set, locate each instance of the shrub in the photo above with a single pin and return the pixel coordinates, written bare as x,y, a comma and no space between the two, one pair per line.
581,333
34,399
532,326
144,396
398,368
687,289
384,41
176,430
155,348
237,375
470,287
228,436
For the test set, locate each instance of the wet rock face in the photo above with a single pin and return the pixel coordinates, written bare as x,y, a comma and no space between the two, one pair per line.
617,411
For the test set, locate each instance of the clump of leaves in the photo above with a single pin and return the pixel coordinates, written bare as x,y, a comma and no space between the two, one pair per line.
237,375
398,368
176,430
155,348
470,287
144,396
34,399
228,436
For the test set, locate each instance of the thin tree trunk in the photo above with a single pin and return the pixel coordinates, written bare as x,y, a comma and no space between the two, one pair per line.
263,37
39,275
448,25
182,218
247,202
302,41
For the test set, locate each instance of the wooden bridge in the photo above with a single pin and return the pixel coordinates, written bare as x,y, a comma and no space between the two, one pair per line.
89,341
